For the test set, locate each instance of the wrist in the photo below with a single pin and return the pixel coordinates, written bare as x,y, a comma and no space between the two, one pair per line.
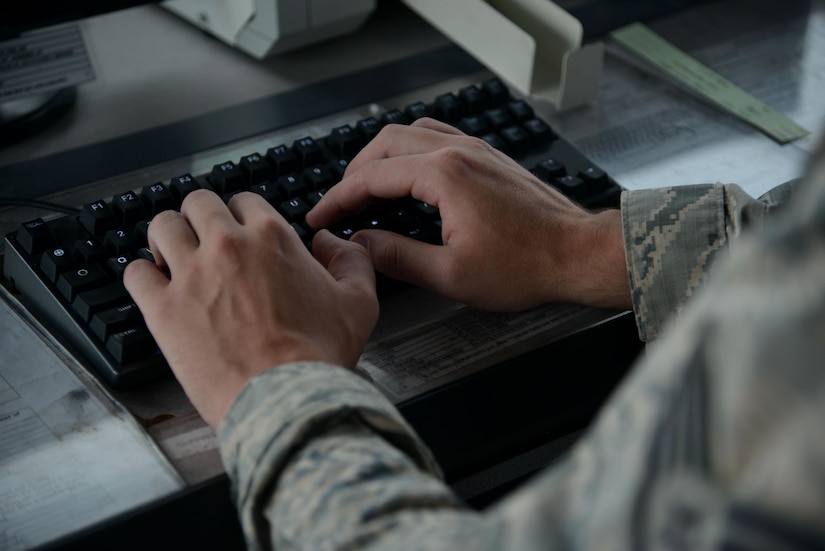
598,268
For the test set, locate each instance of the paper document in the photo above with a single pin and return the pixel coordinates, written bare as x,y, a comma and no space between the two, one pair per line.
68,456
702,80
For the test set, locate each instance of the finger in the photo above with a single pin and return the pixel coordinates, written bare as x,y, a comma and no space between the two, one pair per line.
170,237
204,211
380,179
396,140
347,262
438,126
145,282
402,258
246,207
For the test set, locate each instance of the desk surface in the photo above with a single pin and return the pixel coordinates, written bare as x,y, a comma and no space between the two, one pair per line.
642,130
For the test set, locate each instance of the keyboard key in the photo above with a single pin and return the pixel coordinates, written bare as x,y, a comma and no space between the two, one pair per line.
282,159
34,236
474,125
539,130
475,100
368,128
268,191
498,118
157,198
308,152
131,345
549,169
88,251
517,139
449,108
345,141
97,217
496,141
87,303
418,110
227,178
55,261
596,179
318,177
294,209
394,116
290,186
128,208
256,169
496,91
573,187
72,282
182,186
117,242
520,110
116,320
117,265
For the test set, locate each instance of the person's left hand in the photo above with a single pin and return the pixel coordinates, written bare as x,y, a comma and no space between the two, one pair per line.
245,295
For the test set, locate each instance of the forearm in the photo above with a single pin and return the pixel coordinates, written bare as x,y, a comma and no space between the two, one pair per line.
333,467
673,236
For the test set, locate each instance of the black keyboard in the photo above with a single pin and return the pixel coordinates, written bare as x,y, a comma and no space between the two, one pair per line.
69,269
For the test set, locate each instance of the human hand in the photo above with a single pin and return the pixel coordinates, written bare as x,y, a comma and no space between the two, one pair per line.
509,241
245,295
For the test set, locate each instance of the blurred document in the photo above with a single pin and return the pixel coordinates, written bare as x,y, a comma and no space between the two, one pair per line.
69,457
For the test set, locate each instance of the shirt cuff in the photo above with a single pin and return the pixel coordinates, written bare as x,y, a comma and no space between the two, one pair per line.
671,236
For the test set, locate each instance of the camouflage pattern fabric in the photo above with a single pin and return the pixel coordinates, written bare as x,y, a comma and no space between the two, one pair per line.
716,440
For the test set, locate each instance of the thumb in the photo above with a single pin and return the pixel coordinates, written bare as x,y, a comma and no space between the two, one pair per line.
402,258
346,262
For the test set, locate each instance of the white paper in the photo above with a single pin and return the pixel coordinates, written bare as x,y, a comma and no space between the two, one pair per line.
68,457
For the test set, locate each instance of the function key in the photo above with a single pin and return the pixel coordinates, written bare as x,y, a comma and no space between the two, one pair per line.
34,236
97,217
394,116
496,91
157,198
307,151
256,169
182,186
282,159
448,108
345,141
368,128
475,100
418,110
129,209
227,178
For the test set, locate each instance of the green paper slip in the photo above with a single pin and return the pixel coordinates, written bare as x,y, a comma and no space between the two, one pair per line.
651,47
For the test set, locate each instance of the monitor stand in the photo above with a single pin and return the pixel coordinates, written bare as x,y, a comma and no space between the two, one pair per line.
24,117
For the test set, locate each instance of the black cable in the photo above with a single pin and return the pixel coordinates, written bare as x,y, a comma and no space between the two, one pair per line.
36,203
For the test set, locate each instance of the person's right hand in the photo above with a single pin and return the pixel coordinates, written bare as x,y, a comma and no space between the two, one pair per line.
509,241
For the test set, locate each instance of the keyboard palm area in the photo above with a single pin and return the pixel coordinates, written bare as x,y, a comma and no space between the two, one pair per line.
69,268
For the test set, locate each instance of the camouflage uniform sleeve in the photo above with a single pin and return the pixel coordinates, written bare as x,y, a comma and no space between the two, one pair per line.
673,235
319,459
